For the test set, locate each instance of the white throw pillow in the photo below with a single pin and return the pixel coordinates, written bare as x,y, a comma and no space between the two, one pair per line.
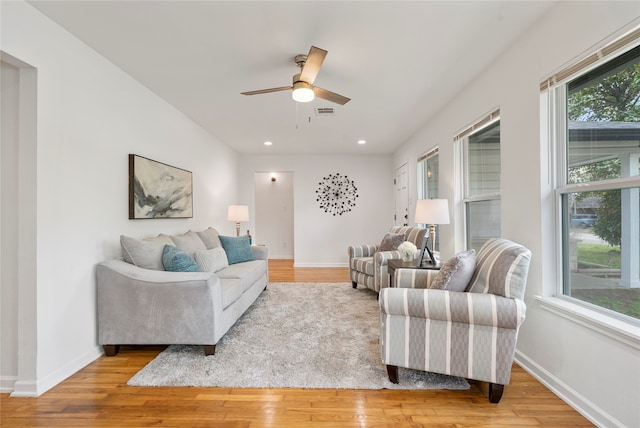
211,260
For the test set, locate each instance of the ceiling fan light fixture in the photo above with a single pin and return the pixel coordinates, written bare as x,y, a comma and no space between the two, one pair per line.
302,92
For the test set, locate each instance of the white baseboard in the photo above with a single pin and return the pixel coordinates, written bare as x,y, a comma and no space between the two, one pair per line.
30,388
580,403
7,383
319,265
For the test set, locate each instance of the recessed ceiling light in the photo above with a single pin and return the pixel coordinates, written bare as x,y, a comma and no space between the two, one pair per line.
268,143
361,142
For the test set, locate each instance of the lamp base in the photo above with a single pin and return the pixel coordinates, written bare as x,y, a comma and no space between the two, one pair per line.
432,259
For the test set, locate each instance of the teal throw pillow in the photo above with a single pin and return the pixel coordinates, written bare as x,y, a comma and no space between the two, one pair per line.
238,249
176,260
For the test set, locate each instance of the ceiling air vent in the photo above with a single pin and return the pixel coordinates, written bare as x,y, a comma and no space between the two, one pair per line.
324,111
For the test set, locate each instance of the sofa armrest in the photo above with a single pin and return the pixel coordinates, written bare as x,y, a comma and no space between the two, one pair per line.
260,252
142,306
414,278
456,307
361,250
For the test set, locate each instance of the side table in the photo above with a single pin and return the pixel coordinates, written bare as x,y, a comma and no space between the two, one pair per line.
393,264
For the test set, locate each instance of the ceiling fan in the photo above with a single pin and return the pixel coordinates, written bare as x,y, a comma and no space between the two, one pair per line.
303,89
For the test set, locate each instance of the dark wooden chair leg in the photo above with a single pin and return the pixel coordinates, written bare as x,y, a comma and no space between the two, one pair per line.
495,392
111,350
392,371
354,284
209,350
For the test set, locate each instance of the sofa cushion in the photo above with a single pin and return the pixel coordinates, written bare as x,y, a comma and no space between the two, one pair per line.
176,260
210,238
144,253
456,272
188,242
247,272
232,289
238,249
211,260
391,241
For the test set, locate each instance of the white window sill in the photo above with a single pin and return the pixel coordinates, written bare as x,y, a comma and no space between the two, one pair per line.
622,331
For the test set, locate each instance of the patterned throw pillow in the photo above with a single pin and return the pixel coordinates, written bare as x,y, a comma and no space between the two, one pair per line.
238,249
176,260
211,260
391,241
456,272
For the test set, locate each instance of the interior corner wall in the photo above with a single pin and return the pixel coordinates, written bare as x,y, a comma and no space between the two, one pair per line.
595,373
90,116
321,239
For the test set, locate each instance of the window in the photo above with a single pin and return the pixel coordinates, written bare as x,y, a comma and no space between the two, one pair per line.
597,124
429,174
428,182
481,181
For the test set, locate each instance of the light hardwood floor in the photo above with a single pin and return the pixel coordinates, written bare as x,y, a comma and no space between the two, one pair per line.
98,396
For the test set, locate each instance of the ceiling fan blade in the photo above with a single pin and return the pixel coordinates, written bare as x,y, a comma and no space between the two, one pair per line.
330,96
266,91
313,64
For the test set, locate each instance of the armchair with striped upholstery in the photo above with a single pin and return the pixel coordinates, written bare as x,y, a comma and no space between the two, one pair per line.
368,266
470,334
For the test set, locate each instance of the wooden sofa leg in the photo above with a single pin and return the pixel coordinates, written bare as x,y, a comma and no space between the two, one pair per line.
392,371
111,350
495,392
209,350
354,284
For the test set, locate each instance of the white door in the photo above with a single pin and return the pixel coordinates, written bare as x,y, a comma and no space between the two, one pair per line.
402,196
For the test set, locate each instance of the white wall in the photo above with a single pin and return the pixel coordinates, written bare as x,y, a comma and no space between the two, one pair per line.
594,372
90,116
10,76
273,213
321,239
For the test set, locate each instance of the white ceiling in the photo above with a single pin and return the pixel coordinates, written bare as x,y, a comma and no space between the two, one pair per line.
397,61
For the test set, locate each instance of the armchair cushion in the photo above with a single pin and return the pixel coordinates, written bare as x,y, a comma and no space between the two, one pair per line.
391,241
502,268
456,272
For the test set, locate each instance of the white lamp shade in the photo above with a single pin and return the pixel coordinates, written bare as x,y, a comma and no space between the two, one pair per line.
432,211
238,213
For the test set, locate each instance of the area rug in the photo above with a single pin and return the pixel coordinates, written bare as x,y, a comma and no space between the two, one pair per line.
295,335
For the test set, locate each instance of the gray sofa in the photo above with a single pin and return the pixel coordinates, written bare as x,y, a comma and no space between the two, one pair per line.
139,303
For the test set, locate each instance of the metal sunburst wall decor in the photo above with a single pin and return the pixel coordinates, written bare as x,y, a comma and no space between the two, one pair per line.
337,194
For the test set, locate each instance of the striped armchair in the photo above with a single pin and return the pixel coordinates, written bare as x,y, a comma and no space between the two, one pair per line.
368,266
470,334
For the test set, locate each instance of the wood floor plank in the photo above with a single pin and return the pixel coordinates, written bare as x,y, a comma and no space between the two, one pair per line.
98,396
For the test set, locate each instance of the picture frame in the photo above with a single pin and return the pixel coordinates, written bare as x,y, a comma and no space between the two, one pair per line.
158,190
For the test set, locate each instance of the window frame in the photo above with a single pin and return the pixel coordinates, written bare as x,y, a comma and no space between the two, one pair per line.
554,91
423,187
463,137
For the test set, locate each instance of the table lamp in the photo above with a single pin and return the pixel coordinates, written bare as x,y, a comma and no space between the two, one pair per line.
238,213
431,212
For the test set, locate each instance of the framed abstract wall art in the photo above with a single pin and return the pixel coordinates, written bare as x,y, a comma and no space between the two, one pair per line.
158,190
336,194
